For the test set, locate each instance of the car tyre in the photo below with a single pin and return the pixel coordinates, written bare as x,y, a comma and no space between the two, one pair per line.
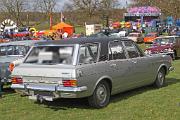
101,95
160,78
2,86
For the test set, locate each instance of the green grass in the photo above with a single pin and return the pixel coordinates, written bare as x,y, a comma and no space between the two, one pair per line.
144,46
80,29
146,103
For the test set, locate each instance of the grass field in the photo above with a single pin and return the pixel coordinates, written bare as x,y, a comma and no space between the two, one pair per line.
146,103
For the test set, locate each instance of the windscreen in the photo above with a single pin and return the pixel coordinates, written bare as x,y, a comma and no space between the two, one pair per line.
51,55
13,50
163,41
150,35
133,35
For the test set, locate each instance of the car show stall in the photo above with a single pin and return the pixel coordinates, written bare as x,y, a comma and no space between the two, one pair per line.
63,27
143,15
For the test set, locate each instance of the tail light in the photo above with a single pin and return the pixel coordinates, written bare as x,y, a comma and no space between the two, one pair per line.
16,80
69,83
11,67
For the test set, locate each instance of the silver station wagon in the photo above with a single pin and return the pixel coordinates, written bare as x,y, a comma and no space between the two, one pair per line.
95,68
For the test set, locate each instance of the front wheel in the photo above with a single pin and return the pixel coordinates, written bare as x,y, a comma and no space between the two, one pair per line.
1,87
101,95
160,79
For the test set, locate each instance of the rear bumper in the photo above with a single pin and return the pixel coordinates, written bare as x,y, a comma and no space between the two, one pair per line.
49,92
5,77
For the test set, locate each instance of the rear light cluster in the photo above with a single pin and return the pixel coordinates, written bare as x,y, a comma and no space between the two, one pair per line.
69,83
16,80
11,67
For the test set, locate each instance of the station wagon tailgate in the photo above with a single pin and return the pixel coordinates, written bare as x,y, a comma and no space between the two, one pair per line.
42,73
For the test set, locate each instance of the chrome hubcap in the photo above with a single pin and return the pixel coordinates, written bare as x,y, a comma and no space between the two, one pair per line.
101,94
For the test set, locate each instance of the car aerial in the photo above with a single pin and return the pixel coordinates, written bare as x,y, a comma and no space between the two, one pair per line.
95,68
149,38
136,37
169,45
11,55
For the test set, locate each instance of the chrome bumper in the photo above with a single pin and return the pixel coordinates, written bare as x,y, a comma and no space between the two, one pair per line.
36,91
51,88
171,68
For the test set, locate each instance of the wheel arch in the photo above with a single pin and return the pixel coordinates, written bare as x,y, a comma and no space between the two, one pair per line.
104,78
163,66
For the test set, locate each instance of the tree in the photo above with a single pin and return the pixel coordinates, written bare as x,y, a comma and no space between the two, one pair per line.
45,6
88,6
14,9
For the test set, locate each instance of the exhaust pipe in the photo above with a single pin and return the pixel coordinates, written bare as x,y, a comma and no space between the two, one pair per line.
40,99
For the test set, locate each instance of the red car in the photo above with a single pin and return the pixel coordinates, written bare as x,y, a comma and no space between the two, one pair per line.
169,45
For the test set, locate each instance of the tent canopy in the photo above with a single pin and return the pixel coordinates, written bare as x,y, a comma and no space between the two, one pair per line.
61,25
64,27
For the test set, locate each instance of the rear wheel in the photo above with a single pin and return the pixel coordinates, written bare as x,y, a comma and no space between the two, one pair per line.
175,54
160,79
101,95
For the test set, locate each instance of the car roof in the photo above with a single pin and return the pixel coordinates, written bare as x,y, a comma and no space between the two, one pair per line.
82,40
135,33
166,36
24,42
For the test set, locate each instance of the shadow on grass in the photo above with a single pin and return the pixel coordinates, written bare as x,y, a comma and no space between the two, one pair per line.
65,104
170,81
134,92
7,91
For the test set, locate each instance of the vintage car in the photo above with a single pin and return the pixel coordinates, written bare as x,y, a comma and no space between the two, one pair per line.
149,38
11,55
169,45
136,37
95,68
3,40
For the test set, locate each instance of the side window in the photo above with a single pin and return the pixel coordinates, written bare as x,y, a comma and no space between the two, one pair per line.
3,50
141,52
116,50
131,49
88,53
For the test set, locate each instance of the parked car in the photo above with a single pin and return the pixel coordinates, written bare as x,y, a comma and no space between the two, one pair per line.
178,33
2,39
136,37
95,68
169,45
149,38
11,55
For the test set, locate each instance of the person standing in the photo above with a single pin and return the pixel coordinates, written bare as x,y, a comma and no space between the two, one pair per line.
65,35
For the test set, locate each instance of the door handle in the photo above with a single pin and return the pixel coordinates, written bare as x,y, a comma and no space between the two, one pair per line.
79,73
113,65
134,61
